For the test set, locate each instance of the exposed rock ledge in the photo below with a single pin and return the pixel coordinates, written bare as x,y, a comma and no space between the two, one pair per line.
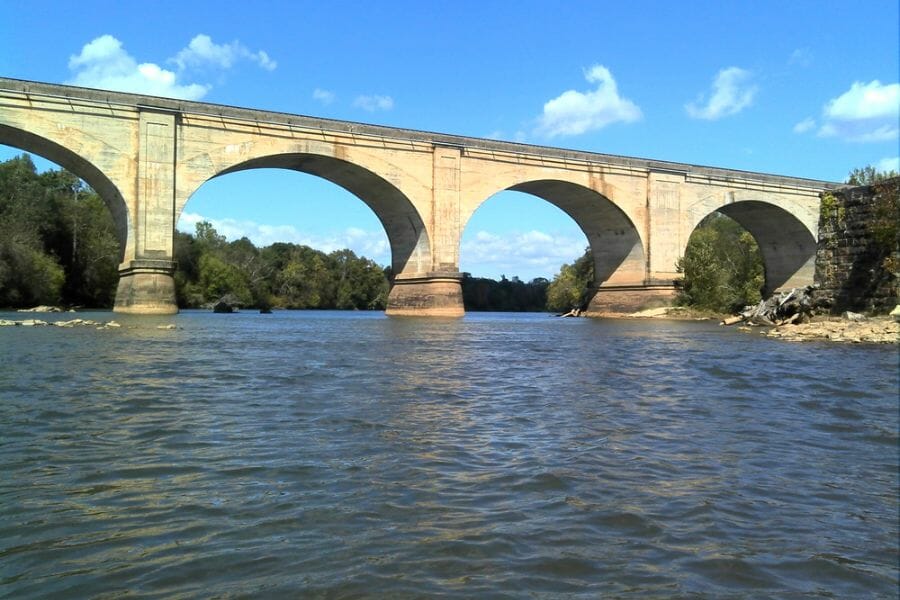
874,330
42,309
67,324
675,313
871,330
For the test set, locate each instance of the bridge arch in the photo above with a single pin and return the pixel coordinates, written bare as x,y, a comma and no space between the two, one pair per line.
80,166
787,244
616,244
404,226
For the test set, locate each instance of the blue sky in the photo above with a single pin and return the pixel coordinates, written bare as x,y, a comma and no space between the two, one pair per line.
799,88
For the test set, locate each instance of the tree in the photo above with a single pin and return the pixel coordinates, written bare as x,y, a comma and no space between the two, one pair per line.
571,287
722,267
57,239
869,175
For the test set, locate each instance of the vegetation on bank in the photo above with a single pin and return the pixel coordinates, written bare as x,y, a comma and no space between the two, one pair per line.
282,275
722,267
57,240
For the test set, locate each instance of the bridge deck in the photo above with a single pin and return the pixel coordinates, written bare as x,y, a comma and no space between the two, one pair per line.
33,88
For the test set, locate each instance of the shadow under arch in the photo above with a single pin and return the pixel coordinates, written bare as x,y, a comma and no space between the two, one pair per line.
615,243
787,246
408,238
79,166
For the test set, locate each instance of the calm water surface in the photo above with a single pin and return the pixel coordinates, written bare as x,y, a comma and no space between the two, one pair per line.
318,454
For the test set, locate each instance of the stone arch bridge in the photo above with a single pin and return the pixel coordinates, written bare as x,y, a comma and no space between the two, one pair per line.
146,156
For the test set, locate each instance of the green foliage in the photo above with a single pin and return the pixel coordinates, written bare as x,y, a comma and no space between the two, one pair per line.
281,275
722,267
507,295
831,209
57,239
571,287
869,175
885,223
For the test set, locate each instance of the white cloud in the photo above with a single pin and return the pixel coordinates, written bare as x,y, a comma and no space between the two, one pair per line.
523,254
371,244
867,112
886,165
802,57
323,96
104,63
373,103
574,113
731,93
805,125
203,52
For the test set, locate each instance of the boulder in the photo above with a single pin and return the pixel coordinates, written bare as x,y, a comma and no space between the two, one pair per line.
32,323
42,309
228,303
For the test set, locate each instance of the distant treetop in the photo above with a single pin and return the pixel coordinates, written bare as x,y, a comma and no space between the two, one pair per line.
869,175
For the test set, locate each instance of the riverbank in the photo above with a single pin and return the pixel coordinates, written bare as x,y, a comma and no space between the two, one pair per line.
675,313
871,330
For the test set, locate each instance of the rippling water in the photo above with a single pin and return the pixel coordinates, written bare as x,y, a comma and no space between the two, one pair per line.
317,454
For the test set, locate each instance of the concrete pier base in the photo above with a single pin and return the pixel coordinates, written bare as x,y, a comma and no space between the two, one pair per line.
146,287
431,295
628,299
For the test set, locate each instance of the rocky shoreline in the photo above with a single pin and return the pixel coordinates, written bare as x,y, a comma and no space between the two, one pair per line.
868,330
69,324
873,330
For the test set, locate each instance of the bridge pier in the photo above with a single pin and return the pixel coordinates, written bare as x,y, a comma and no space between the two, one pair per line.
620,299
430,295
147,287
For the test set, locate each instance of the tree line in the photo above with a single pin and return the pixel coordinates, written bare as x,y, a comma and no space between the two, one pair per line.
57,239
282,275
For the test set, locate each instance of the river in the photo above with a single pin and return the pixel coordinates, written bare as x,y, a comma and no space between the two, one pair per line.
337,455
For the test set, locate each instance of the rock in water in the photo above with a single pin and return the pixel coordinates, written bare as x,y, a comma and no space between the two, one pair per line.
222,307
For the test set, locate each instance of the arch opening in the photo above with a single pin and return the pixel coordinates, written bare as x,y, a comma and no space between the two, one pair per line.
58,239
579,237
508,264
406,233
616,247
79,166
787,246
282,238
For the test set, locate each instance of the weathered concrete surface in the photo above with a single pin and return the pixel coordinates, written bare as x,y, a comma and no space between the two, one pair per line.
858,267
147,156
146,287
433,296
